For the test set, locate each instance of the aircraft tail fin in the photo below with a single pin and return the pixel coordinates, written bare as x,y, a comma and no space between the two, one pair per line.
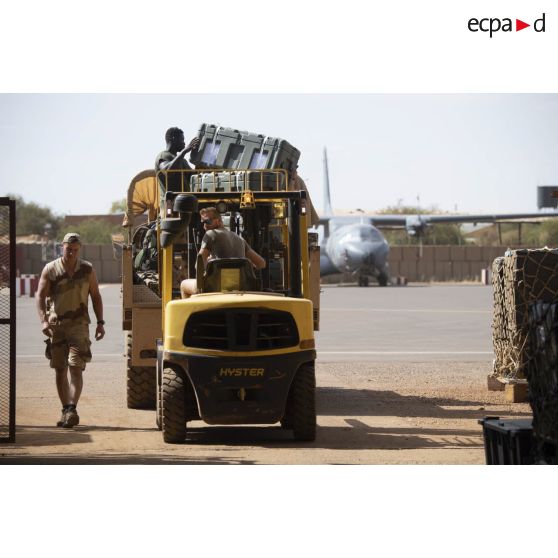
327,196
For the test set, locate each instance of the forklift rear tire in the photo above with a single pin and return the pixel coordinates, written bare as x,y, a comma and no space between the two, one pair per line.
303,393
173,406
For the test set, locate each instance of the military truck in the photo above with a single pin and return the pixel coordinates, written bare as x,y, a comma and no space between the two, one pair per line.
242,350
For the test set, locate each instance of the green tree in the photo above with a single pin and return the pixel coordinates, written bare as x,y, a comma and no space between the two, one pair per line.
547,234
534,235
409,210
435,234
32,218
118,206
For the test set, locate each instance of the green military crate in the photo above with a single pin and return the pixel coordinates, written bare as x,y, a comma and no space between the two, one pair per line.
228,148
238,181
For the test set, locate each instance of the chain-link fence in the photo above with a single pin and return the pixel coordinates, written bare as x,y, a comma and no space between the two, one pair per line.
7,320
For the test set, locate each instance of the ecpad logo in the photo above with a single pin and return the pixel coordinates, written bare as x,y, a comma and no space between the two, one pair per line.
493,25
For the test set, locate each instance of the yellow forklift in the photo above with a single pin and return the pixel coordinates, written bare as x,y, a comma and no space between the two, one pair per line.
241,350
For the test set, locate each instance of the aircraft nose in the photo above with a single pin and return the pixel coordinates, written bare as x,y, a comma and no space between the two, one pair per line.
360,254
369,258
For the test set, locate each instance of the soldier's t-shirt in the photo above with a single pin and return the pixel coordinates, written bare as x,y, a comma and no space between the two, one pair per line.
172,181
68,296
223,243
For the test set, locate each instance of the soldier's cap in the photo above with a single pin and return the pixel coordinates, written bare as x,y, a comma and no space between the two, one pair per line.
70,238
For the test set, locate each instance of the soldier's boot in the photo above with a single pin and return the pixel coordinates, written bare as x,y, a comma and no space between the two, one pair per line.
72,418
62,417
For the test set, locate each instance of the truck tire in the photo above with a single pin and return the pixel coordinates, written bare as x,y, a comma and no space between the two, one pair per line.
140,382
303,394
173,406
159,406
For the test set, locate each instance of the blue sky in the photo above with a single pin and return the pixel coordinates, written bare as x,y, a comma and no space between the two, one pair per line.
473,153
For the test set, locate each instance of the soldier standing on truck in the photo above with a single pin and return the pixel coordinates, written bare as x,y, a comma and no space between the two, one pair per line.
173,159
219,242
67,283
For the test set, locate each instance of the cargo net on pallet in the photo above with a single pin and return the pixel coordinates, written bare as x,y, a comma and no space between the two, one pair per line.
542,377
519,279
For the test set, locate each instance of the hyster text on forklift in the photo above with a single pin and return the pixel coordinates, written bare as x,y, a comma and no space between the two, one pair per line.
242,350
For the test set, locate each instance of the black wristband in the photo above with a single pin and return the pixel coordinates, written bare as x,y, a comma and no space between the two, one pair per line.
101,322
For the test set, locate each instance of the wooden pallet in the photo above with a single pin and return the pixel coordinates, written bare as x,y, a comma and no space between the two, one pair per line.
515,391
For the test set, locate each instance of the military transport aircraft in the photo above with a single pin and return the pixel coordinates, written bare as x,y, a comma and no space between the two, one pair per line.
353,243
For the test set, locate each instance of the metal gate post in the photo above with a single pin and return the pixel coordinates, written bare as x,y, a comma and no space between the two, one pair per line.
7,320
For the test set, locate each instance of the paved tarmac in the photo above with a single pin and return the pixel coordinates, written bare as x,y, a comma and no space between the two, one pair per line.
417,323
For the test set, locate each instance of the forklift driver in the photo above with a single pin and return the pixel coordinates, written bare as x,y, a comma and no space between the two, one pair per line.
219,242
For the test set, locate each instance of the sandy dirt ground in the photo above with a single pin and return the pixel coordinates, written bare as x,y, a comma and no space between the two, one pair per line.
368,413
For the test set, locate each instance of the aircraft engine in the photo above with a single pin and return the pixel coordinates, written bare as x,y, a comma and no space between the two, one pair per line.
415,225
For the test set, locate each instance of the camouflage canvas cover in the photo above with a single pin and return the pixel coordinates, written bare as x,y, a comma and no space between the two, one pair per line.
143,196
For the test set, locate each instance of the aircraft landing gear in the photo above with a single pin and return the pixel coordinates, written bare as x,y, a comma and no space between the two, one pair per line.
382,279
362,281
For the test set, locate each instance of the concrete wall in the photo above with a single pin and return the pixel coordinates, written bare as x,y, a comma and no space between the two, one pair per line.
442,263
434,263
31,258
437,263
